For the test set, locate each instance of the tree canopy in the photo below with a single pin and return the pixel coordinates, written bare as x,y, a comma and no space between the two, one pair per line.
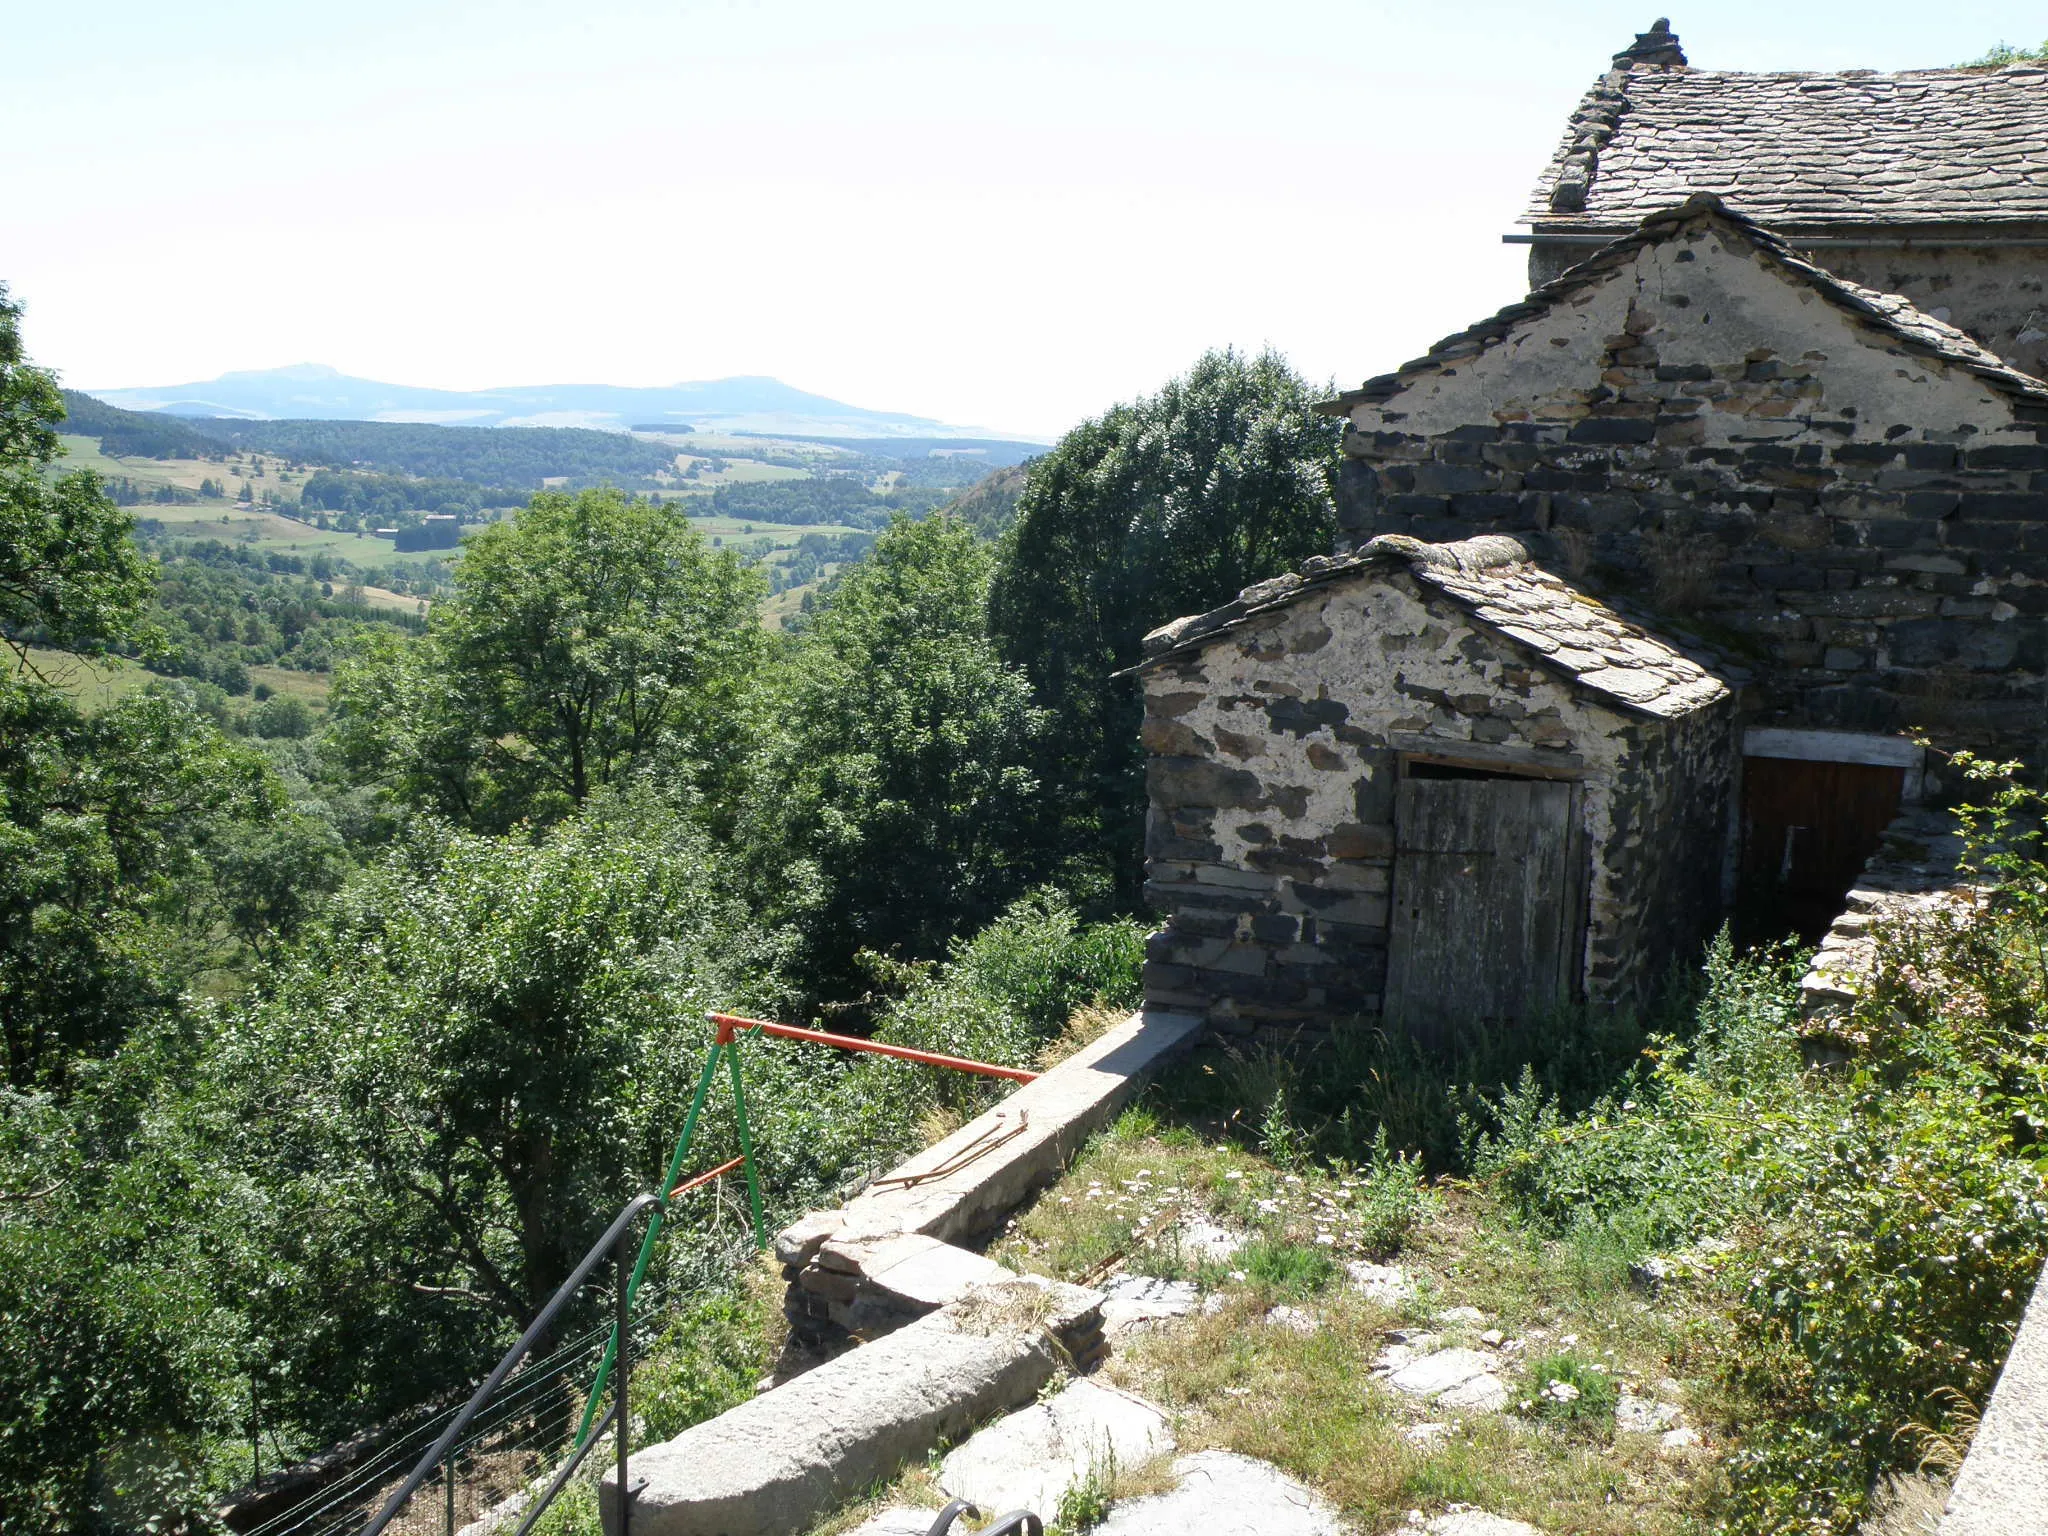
900,780
1161,507
69,574
585,634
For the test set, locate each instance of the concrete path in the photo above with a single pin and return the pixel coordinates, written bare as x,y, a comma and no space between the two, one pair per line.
1030,1459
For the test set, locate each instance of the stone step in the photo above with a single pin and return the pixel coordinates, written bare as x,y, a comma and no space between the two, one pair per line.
964,1185
776,1463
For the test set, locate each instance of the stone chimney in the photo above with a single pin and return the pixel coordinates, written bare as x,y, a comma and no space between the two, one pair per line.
1655,49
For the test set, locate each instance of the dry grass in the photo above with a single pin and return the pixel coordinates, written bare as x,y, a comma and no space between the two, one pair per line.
1906,1506
1307,1402
1085,1026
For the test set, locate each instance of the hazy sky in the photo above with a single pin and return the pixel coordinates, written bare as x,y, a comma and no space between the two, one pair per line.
1005,215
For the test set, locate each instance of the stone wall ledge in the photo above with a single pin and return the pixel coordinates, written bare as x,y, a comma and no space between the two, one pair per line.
953,1335
2002,1488
1912,876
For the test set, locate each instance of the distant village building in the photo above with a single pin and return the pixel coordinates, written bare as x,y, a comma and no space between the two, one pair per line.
1644,585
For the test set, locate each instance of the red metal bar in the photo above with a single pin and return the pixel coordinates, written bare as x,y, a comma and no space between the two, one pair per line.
705,1178
730,1024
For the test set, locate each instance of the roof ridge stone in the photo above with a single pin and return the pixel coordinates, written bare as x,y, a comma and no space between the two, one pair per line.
1495,581
1778,140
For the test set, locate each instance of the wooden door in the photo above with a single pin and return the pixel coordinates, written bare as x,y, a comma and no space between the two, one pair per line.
1488,902
1807,831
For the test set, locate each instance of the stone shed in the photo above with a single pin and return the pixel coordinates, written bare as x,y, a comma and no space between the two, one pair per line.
1434,783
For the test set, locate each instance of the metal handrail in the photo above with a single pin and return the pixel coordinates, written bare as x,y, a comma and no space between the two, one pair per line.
725,1043
613,1239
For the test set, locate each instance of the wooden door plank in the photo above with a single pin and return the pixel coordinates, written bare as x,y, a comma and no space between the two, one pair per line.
1808,828
1485,926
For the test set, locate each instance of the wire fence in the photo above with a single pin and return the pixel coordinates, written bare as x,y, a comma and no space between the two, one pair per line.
526,1430
517,1426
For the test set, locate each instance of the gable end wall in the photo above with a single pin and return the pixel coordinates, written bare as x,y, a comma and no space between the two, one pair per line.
1866,527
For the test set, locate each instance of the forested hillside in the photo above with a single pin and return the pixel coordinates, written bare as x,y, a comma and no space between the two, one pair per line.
515,456
333,1035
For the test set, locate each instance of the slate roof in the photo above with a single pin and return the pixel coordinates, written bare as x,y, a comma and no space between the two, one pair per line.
1897,319
1493,579
1807,150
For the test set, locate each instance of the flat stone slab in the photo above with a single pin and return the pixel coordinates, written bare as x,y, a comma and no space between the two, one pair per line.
1030,1460
1295,1319
1223,1494
1454,1378
1201,1238
1467,1522
902,1521
1386,1284
778,1461
915,1272
966,1183
1646,1415
1130,1302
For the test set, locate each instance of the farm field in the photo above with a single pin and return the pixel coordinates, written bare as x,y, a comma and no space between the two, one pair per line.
783,534
275,534
259,469
97,684
736,472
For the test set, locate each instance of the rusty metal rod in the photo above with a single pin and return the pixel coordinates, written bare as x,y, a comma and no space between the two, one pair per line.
705,1178
730,1024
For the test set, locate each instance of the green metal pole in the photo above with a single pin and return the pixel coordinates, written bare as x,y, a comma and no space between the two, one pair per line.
739,1106
675,1169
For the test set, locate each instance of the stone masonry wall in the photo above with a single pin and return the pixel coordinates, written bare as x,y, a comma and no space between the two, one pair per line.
1865,527
1274,757
1670,837
1998,293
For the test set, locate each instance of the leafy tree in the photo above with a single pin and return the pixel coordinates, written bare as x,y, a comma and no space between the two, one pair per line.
901,785
282,716
586,636
2002,54
97,813
69,574
1166,506
112,1346
480,1051
98,819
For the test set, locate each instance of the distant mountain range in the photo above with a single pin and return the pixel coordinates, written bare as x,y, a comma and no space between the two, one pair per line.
315,391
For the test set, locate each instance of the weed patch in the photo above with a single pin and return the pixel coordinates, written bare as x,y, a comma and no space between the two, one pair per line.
1569,1390
1284,1268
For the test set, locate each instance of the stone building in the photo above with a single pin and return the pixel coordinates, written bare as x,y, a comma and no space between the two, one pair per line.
1645,587
1524,761
1932,183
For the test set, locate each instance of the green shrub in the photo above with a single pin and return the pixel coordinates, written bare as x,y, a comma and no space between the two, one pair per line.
1885,1223
712,1352
1389,1199
1651,1159
1002,995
